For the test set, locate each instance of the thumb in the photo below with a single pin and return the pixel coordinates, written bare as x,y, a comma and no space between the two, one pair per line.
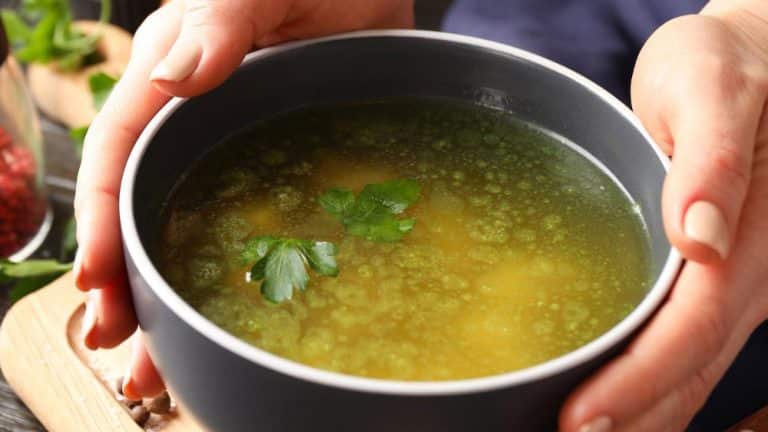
713,131
704,110
214,38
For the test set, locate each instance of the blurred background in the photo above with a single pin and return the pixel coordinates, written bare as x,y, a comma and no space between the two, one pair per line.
53,142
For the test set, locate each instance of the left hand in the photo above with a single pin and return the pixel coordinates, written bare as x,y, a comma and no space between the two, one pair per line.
700,87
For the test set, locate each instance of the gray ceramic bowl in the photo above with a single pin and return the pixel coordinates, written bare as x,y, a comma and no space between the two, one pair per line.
231,386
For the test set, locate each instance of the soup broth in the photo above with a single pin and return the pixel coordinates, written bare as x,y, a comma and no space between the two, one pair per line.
522,249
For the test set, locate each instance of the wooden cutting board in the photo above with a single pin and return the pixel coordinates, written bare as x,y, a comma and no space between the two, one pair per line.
68,387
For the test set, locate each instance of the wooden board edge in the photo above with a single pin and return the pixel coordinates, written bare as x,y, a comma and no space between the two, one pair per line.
74,401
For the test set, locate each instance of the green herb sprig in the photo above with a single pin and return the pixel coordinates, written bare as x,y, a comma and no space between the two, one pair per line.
52,37
281,264
101,85
372,213
27,276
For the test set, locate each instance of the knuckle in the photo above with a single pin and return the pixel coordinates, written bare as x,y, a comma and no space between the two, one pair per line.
731,160
710,332
692,395
221,17
198,7
203,13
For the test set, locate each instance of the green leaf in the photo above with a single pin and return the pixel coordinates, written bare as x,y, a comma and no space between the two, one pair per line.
68,240
52,37
71,61
257,248
101,86
337,201
30,284
387,229
33,268
78,138
17,30
258,270
285,271
320,256
371,214
396,195
30,275
39,46
281,264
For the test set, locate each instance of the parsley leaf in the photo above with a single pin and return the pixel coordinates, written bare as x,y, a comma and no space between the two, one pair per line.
337,201
30,275
78,138
101,85
320,256
371,214
281,264
18,31
52,37
68,240
257,248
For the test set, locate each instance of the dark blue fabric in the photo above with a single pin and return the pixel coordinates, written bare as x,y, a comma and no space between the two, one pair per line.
601,39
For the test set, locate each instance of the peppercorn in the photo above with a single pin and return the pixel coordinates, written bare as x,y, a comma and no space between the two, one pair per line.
139,414
22,208
160,404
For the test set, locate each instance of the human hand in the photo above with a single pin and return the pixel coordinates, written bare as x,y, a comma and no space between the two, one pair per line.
185,48
700,87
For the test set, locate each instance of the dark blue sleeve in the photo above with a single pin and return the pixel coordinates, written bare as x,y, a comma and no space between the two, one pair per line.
601,39
598,38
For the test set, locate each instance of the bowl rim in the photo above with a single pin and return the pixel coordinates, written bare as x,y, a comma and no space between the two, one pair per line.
231,343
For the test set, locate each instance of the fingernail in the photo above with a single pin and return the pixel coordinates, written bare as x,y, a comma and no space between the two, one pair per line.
706,224
600,424
180,62
89,325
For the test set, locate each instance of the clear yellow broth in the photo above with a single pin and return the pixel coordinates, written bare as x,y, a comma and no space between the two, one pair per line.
522,251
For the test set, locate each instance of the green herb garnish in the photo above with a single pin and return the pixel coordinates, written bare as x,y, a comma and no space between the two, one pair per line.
68,240
52,38
371,214
78,138
281,264
30,275
101,86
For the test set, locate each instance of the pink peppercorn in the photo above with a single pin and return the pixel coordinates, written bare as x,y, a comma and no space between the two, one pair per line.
22,207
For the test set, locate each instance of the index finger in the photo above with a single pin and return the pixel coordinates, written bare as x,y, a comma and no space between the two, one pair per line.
110,138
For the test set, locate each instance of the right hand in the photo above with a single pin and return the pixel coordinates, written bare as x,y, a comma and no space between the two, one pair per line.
183,49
